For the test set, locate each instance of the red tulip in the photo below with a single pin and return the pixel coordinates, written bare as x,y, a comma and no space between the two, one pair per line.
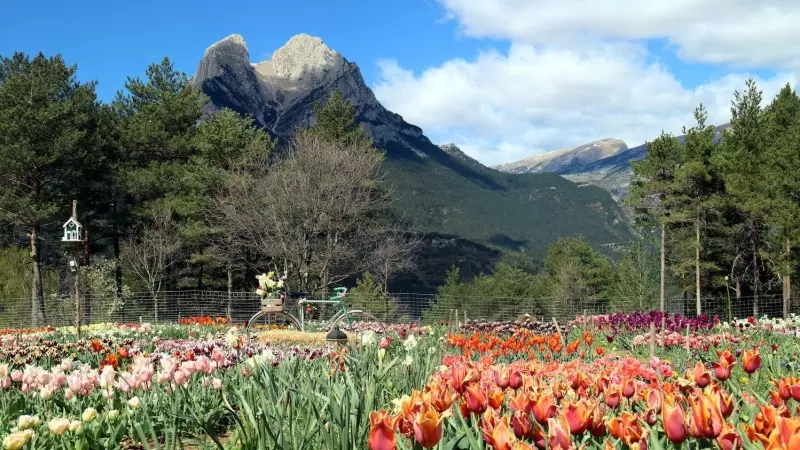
514,379
700,375
723,369
381,433
521,424
578,416
672,420
558,436
475,397
612,396
729,438
501,377
751,361
544,408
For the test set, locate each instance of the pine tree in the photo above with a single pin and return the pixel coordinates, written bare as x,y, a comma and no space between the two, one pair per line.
697,194
743,165
49,126
651,193
782,180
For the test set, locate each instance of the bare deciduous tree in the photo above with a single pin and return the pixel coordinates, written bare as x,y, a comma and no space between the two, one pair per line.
311,211
394,254
152,251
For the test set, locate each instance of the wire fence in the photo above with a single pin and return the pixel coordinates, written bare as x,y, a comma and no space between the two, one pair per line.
171,307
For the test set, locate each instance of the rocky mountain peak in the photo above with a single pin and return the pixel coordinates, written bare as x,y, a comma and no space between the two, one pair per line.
303,59
233,43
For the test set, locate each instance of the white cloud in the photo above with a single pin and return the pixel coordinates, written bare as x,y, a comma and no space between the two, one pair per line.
553,89
752,33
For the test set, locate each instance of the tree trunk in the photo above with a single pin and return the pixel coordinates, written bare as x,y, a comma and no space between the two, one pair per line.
38,318
663,264
229,270
787,282
698,303
118,266
87,303
738,291
755,279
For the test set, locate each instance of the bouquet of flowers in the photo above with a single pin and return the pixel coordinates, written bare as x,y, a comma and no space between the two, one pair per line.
269,285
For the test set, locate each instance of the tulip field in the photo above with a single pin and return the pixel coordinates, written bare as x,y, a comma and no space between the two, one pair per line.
636,381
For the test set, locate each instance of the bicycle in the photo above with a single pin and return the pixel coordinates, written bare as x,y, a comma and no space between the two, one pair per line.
276,307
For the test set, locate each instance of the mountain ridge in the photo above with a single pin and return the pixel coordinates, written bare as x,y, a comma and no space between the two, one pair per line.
441,188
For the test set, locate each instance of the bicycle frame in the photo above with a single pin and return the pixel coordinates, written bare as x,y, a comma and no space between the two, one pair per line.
337,299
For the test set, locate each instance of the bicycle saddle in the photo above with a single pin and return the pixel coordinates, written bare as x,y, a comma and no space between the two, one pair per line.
296,294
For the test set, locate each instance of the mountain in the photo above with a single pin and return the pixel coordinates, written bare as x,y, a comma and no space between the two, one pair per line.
566,159
441,189
605,163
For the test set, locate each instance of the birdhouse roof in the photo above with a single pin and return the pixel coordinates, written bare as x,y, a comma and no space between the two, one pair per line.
71,220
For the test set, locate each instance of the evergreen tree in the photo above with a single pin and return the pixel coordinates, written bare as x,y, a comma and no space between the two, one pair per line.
651,194
782,180
743,165
697,194
49,136
335,119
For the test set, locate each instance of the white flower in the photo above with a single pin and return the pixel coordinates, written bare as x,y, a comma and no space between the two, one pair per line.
89,414
409,360
75,425
381,354
368,338
410,343
58,426
279,284
25,422
432,350
46,393
134,402
112,415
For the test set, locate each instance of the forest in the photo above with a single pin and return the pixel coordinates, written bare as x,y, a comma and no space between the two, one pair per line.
172,198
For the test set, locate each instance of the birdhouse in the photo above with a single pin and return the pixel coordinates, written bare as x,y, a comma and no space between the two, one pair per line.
73,231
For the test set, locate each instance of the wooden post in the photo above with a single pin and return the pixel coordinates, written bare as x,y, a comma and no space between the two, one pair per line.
688,347
652,340
77,271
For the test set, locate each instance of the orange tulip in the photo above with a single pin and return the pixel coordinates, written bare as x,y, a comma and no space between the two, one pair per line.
700,375
672,420
428,426
765,420
520,445
725,402
654,399
726,362
578,416
587,337
475,397
521,402
381,434
706,417
729,438
775,399
544,408
616,428
558,436
499,436
751,361
786,435
496,397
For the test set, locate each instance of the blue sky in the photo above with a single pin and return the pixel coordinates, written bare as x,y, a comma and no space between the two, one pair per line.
112,40
503,79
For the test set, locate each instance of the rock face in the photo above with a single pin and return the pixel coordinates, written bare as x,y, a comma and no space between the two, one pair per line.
280,93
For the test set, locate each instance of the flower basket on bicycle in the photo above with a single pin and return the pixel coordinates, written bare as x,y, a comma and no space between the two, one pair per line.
271,291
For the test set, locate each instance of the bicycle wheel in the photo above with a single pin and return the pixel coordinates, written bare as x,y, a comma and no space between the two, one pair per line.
360,321
273,320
